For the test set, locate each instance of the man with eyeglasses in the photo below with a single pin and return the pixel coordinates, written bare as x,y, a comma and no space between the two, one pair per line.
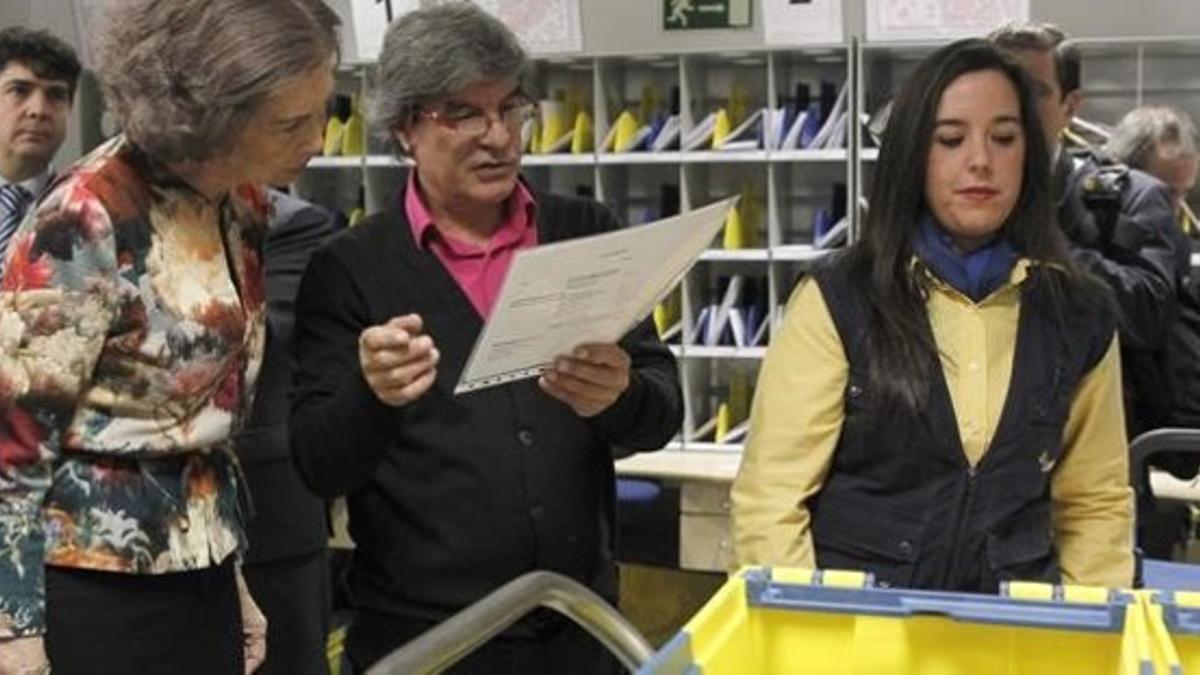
450,497
38,73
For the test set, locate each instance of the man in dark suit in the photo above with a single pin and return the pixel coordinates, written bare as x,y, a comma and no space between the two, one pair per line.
1120,223
38,74
286,565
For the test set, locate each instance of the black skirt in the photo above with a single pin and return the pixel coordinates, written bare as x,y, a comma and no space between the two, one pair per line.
108,622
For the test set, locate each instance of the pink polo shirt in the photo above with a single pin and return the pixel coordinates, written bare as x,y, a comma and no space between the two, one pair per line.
478,270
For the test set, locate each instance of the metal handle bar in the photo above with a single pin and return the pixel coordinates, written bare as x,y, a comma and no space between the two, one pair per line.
1156,441
456,637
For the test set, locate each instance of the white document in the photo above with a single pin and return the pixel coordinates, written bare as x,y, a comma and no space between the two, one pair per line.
788,22
704,430
926,20
668,135
700,329
636,140
760,336
835,236
562,144
780,128
610,139
701,134
719,320
528,127
737,433
839,110
747,134
837,139
792,140
593,289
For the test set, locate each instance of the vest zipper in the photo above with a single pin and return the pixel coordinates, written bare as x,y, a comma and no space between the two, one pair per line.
959,530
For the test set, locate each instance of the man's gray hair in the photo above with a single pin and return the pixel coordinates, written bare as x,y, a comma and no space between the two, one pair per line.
1152,130
184,78
432,52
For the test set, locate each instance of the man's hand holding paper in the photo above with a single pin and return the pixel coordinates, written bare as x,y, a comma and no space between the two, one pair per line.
590,379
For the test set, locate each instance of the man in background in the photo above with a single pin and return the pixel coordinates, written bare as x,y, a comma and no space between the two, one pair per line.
286,565
1121,227
38,74
1120,222
1161,141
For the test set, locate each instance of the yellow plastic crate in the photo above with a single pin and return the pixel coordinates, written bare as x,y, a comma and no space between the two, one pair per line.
1174,623
766,621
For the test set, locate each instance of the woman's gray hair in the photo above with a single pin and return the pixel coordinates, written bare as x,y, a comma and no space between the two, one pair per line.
184,78
1152,130
432,52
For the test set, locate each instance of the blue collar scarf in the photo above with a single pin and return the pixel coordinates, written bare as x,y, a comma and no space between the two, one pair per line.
975,274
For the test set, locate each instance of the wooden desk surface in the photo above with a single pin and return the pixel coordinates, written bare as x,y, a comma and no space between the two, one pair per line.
681,465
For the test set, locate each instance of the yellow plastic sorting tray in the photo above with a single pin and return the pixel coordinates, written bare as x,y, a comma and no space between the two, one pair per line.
798,621
1174,622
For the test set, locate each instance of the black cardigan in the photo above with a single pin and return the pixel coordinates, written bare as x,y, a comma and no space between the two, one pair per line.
451,496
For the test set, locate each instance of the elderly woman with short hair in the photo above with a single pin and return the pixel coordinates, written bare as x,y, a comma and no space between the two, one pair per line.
131,319
1161,141
452,496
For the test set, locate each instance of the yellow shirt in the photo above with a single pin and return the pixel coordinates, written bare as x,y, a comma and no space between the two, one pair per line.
797,419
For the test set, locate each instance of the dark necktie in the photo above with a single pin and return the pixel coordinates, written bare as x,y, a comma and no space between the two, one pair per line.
14,199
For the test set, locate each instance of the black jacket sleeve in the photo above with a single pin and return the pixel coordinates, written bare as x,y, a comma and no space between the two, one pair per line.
297,230
336,420
1143,261
287,519
650,411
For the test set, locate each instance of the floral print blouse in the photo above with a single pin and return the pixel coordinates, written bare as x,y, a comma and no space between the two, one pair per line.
131,331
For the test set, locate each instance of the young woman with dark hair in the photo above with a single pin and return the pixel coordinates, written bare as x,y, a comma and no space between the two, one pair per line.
942,405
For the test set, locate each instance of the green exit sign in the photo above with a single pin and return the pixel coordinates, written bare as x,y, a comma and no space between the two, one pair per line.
691,14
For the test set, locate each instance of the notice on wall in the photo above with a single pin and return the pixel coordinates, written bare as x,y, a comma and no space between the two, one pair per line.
693,14
370,19
543,26
938,19
800,22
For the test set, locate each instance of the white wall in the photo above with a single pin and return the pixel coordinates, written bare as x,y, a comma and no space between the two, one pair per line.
14,12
